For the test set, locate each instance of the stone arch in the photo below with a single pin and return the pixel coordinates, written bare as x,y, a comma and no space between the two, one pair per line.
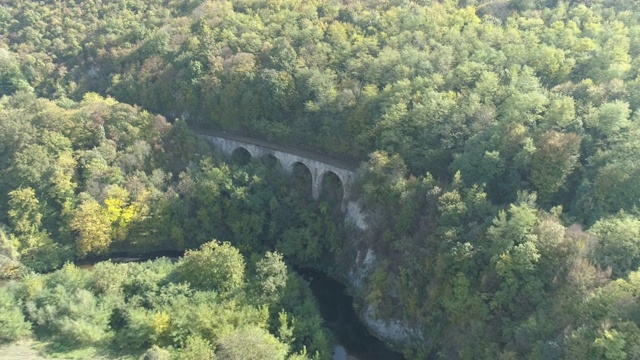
297,163
333,177
316,167
242,148
301,172
241,154
271,160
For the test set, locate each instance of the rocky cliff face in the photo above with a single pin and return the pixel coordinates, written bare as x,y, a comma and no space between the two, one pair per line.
362,263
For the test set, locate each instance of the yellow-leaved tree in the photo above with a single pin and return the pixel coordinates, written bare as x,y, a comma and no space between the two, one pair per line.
92,225
121,211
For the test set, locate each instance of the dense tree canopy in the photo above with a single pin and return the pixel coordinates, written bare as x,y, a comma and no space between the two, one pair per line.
96,177
500,172
138,306
516,95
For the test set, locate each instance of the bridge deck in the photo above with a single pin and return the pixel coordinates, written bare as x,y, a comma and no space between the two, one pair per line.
287,149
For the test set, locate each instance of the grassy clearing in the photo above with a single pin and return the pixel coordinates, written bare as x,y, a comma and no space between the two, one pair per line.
21,350
29,349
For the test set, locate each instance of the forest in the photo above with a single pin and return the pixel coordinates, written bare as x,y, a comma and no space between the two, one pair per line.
499,152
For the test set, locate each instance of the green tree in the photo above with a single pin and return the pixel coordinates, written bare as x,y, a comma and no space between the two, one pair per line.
271,276
515,256
196,348
380,174
25,215
215,266
555,158
610,119
12,322
11,77
619,243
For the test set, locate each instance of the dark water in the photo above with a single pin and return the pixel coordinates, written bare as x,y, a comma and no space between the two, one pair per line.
336,307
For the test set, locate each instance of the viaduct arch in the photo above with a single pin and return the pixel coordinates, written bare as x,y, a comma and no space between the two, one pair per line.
318,165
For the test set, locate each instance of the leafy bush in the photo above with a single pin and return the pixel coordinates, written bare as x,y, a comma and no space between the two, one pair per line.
214,267
65,309
156,353
144,328
12,322
196,348
251,343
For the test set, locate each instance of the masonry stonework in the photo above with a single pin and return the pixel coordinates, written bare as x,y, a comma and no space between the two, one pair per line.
227,144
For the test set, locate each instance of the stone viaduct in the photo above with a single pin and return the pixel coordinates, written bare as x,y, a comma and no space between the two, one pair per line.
318,165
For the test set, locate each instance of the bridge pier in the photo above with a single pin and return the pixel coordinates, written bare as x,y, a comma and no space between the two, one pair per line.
287,164
316,183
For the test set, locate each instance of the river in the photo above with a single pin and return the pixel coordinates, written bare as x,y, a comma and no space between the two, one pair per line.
336,307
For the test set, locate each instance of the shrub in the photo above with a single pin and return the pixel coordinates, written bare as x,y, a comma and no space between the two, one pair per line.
251,343
214,267
156,353
196,348
12,323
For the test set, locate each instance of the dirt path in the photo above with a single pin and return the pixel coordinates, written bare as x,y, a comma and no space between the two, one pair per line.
31,350
20,350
